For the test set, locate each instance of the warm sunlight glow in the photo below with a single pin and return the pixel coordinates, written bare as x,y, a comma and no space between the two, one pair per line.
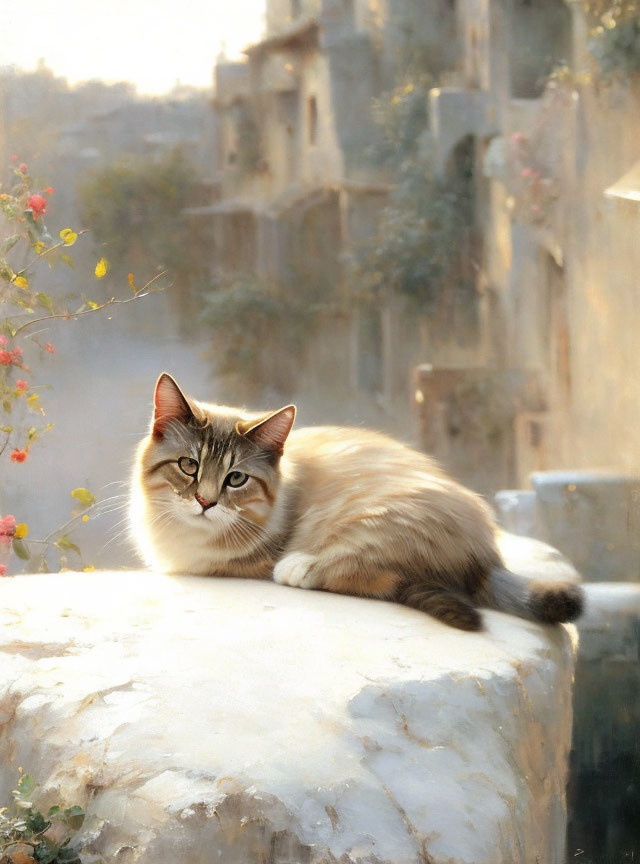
152,43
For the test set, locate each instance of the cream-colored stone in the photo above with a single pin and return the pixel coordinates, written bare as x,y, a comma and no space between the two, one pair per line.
207,720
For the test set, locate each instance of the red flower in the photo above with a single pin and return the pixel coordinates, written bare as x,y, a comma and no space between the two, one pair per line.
38,205
7,530
49,190
3,341
21,385
14,158
7,526
3,569
19,455
49,347
9,357
23,168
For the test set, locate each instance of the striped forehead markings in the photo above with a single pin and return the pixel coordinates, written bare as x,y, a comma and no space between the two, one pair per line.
203,456
221,449
227,460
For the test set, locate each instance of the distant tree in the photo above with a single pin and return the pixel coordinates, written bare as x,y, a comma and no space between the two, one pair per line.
134,210
424,246
261,330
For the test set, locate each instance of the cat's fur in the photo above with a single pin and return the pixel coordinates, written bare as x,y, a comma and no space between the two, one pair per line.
338,509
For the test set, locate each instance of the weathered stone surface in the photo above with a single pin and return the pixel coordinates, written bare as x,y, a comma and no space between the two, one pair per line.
210,720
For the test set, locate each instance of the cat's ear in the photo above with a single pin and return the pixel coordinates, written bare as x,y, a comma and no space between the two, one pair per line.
269,432
169,403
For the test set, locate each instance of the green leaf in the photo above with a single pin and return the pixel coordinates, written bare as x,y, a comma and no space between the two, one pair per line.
20,550
74,817
54,811
46,851
45,301
7,429
37,823
64,543
68,261
6,272
26,784
9,243
85,497
69,855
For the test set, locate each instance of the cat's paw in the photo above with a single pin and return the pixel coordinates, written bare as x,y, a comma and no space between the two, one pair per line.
296,570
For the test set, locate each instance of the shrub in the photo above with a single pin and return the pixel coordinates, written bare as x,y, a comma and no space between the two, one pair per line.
260,329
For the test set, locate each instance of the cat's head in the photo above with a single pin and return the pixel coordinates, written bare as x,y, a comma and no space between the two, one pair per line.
210,469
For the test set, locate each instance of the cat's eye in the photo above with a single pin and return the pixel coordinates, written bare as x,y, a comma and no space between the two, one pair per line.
236,479
188,465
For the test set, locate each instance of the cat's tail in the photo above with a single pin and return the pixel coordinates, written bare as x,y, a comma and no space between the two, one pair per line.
547,601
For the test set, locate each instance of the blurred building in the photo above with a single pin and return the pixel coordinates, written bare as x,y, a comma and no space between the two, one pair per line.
297,190
557,179
547,377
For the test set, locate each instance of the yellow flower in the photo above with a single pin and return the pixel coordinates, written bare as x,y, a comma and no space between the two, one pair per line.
101,268
69,237
85,518
21,282
89,569
22,529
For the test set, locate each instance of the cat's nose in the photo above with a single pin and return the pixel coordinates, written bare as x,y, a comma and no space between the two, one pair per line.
204,503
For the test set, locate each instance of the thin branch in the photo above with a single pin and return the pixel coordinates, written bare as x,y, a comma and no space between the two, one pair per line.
61,529
143,292
48,252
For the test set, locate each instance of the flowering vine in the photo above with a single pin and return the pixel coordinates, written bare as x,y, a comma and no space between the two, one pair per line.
533,190
26,242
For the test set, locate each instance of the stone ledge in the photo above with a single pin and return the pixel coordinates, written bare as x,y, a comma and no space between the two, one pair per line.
210,719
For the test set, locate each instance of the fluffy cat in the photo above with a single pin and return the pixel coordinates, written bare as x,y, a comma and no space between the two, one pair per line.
219,491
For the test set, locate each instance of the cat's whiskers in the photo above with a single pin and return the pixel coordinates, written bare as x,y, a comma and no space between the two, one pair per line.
157,521
235,533
243,530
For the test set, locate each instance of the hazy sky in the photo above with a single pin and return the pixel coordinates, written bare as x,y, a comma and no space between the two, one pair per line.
150,42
